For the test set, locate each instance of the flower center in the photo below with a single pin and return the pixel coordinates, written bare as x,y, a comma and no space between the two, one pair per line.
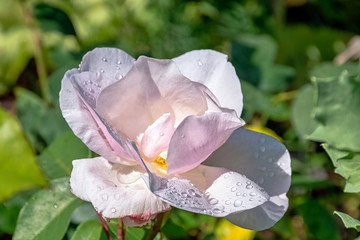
160,162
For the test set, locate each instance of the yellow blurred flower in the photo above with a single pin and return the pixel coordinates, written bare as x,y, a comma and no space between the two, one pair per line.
264,130
229,231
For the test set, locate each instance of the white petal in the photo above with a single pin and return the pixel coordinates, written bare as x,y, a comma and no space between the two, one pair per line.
109,63
265,161
212,69
116,190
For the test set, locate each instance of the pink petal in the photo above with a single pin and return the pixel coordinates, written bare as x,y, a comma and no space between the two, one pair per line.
157,136
81,120
197,137
265,161
212,69
109,63
116,191
134,103
184,96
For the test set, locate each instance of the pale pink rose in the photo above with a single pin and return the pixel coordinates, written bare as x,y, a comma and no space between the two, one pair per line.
168,133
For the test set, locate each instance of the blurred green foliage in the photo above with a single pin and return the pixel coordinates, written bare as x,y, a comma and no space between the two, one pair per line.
282,51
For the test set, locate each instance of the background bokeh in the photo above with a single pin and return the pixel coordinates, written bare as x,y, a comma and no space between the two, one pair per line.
280,49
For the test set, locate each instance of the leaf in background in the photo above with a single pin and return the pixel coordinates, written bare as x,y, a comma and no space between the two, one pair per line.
41,124
56,160
174,231
9,210
253,57
349,221
338,112
83,213
329,69
18,169
320,222
90,230
258,101
347,164
16,48
132,233
53,19
301,111
47,214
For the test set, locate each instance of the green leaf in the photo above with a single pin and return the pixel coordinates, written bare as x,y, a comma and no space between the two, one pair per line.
338,112
320,222
301,111
56,160
18,168
347,164
35,117
90,230
349,221
53,19
329,69
47,214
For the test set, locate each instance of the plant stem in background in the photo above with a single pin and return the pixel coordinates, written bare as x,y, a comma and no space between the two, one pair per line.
38,54
105,226
155,228
121,229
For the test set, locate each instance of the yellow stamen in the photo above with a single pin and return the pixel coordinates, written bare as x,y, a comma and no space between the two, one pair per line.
160,161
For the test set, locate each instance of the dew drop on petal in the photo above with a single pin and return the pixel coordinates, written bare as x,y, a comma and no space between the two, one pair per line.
244,195
238,203
239,183
238,193
226,176
271,174
117,67
113,210
270,160
252,194
213,201
104,59
200,63
117,196
249,186
227,202
191,192
262,149
233,189
182,202
102,70
119,62
182,135
161,134
251,199
262,140
118,76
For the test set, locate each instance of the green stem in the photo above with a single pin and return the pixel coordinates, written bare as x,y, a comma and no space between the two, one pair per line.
104,225
155,228
121,229
38,54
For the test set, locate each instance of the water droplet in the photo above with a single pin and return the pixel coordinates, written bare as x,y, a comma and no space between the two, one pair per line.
184,194
161,134
271,174
85,83
117,196
113,210
227,202
216,211
231,172
119,62
191,192
247,183
91,90
237,203
252,194
282,164
233,189
238,193
182,135
262,149
262,168
200,63
100,187
213,201
182,202
55,205
270,160
117,67
262,140
244,195
249,186
104,59
118,76
251,199
226,176
256,155
239,183
102,70
105,197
